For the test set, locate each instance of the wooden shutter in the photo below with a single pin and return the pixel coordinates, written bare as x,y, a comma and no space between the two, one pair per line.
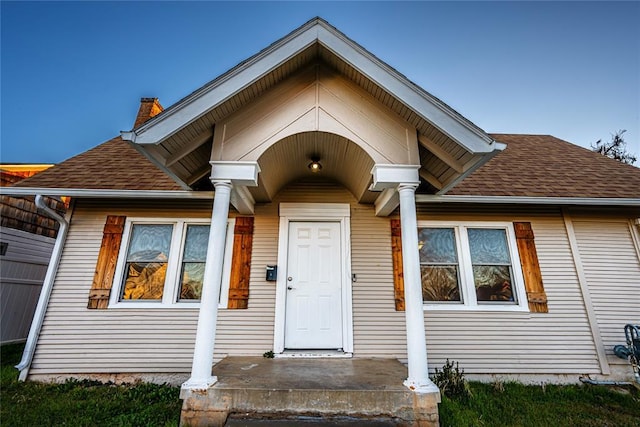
241,263
530,268
106,265
396,256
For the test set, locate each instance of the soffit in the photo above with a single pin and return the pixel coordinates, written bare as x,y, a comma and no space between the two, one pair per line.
193,165
342,161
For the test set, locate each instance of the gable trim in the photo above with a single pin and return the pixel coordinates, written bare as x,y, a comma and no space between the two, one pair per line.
215,93
319,31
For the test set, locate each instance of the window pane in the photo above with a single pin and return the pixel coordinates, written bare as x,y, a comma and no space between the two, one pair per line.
146,266
195,246
150,243
437,245
193,261
144,280
191,280
440,283
493,283
488,246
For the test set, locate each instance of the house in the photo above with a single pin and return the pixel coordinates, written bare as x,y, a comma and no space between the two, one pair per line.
26,242
314,202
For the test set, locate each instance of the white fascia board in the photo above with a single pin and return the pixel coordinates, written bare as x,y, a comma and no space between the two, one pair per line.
583,201
434,111
221,89
100,193
484,159
389,176
160,164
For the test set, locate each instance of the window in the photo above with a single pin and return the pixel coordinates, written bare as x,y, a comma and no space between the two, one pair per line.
147,258
162,262
470,265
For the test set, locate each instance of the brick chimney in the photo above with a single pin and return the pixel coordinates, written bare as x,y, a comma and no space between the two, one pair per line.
149,107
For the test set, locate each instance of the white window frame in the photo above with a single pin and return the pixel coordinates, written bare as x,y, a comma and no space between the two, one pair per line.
465,271
174,263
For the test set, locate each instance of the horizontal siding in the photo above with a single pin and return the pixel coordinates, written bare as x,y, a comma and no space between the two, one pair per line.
515,342
378,328
612,270
22,272
77,340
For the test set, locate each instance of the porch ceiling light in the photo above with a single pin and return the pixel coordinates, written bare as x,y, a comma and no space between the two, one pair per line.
315,165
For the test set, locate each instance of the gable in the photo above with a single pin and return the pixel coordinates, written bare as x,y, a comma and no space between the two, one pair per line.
179,139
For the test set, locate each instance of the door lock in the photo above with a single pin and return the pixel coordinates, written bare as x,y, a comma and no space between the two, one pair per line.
289,278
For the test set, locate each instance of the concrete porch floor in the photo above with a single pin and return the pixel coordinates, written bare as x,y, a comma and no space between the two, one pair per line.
367,388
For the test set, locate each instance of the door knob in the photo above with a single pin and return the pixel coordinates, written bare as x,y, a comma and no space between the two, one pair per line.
289,287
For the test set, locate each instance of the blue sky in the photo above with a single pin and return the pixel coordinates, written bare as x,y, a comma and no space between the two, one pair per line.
72,73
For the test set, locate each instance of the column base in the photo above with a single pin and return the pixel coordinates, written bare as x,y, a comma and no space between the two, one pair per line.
194,384
423,386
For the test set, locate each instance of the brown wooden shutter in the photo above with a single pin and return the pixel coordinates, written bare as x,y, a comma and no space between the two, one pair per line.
396,256
530,268
241,263
106,265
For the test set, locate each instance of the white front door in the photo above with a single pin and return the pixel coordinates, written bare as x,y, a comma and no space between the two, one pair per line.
313,317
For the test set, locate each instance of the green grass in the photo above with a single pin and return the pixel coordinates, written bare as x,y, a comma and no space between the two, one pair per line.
86,403
82,403
513,404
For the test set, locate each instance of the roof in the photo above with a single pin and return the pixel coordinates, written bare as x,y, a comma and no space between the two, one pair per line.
530,166
546,166
112,165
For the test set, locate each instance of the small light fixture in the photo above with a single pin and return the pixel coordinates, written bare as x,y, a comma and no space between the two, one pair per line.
315,165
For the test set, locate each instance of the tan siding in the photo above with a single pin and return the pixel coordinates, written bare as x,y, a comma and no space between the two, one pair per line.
514,342
77,340
612,271
378,328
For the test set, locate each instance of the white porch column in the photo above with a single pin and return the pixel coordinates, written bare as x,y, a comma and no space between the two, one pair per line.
201,377
418,378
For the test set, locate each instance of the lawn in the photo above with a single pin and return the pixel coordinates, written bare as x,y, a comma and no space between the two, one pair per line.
94,404
514,404
82,403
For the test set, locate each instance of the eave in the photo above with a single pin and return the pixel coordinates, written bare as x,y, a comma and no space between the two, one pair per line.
577,201
101,193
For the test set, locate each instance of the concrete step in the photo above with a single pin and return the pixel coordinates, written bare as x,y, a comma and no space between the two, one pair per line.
264,420
361,388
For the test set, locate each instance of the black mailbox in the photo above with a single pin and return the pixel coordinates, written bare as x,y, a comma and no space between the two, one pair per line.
272,273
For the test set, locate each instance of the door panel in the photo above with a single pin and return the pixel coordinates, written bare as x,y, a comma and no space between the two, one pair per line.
314,292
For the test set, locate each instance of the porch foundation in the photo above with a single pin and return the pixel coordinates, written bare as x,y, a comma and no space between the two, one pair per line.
366,388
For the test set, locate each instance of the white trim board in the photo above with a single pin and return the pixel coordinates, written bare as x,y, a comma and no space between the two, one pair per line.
586,294
101,193
579,201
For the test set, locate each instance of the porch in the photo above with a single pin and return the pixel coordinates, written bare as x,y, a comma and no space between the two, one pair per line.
367,388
